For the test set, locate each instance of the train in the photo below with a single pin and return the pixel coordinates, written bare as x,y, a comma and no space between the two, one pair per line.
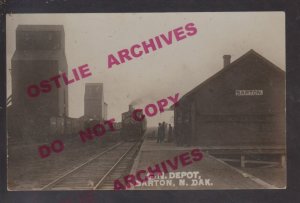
132,130
70,127
65,125
44,129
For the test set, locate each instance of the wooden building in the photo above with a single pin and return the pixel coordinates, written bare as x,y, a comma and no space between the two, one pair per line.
39,55
243,105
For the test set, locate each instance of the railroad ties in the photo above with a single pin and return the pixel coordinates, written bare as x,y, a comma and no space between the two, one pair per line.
100,171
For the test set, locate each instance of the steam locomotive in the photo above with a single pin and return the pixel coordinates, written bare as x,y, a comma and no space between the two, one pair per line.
132,129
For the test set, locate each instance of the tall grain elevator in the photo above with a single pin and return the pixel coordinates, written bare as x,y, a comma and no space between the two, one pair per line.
94,106
39,55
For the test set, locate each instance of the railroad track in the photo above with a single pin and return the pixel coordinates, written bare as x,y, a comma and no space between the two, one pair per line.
100,171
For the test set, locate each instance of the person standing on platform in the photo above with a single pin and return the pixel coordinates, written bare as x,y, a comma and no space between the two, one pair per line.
170,133
163,131
159,133
176,137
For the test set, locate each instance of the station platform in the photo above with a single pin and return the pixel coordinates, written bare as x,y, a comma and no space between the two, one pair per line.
206,174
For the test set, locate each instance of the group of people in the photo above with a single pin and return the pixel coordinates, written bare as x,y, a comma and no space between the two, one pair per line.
161,132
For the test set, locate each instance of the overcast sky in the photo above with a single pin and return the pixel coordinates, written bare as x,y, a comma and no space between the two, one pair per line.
177,68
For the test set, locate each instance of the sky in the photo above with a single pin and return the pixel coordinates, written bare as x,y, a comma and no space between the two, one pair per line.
177,68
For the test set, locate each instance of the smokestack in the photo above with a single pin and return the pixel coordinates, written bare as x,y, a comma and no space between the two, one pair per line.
131,108
226,59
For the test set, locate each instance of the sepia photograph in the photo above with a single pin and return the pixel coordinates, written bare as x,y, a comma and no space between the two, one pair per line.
146,101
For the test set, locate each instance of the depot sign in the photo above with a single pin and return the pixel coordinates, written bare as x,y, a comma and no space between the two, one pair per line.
152,109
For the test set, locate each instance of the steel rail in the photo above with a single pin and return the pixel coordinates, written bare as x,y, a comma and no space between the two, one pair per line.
114,166
78,167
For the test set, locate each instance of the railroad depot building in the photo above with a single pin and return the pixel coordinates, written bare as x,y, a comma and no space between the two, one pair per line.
241,105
